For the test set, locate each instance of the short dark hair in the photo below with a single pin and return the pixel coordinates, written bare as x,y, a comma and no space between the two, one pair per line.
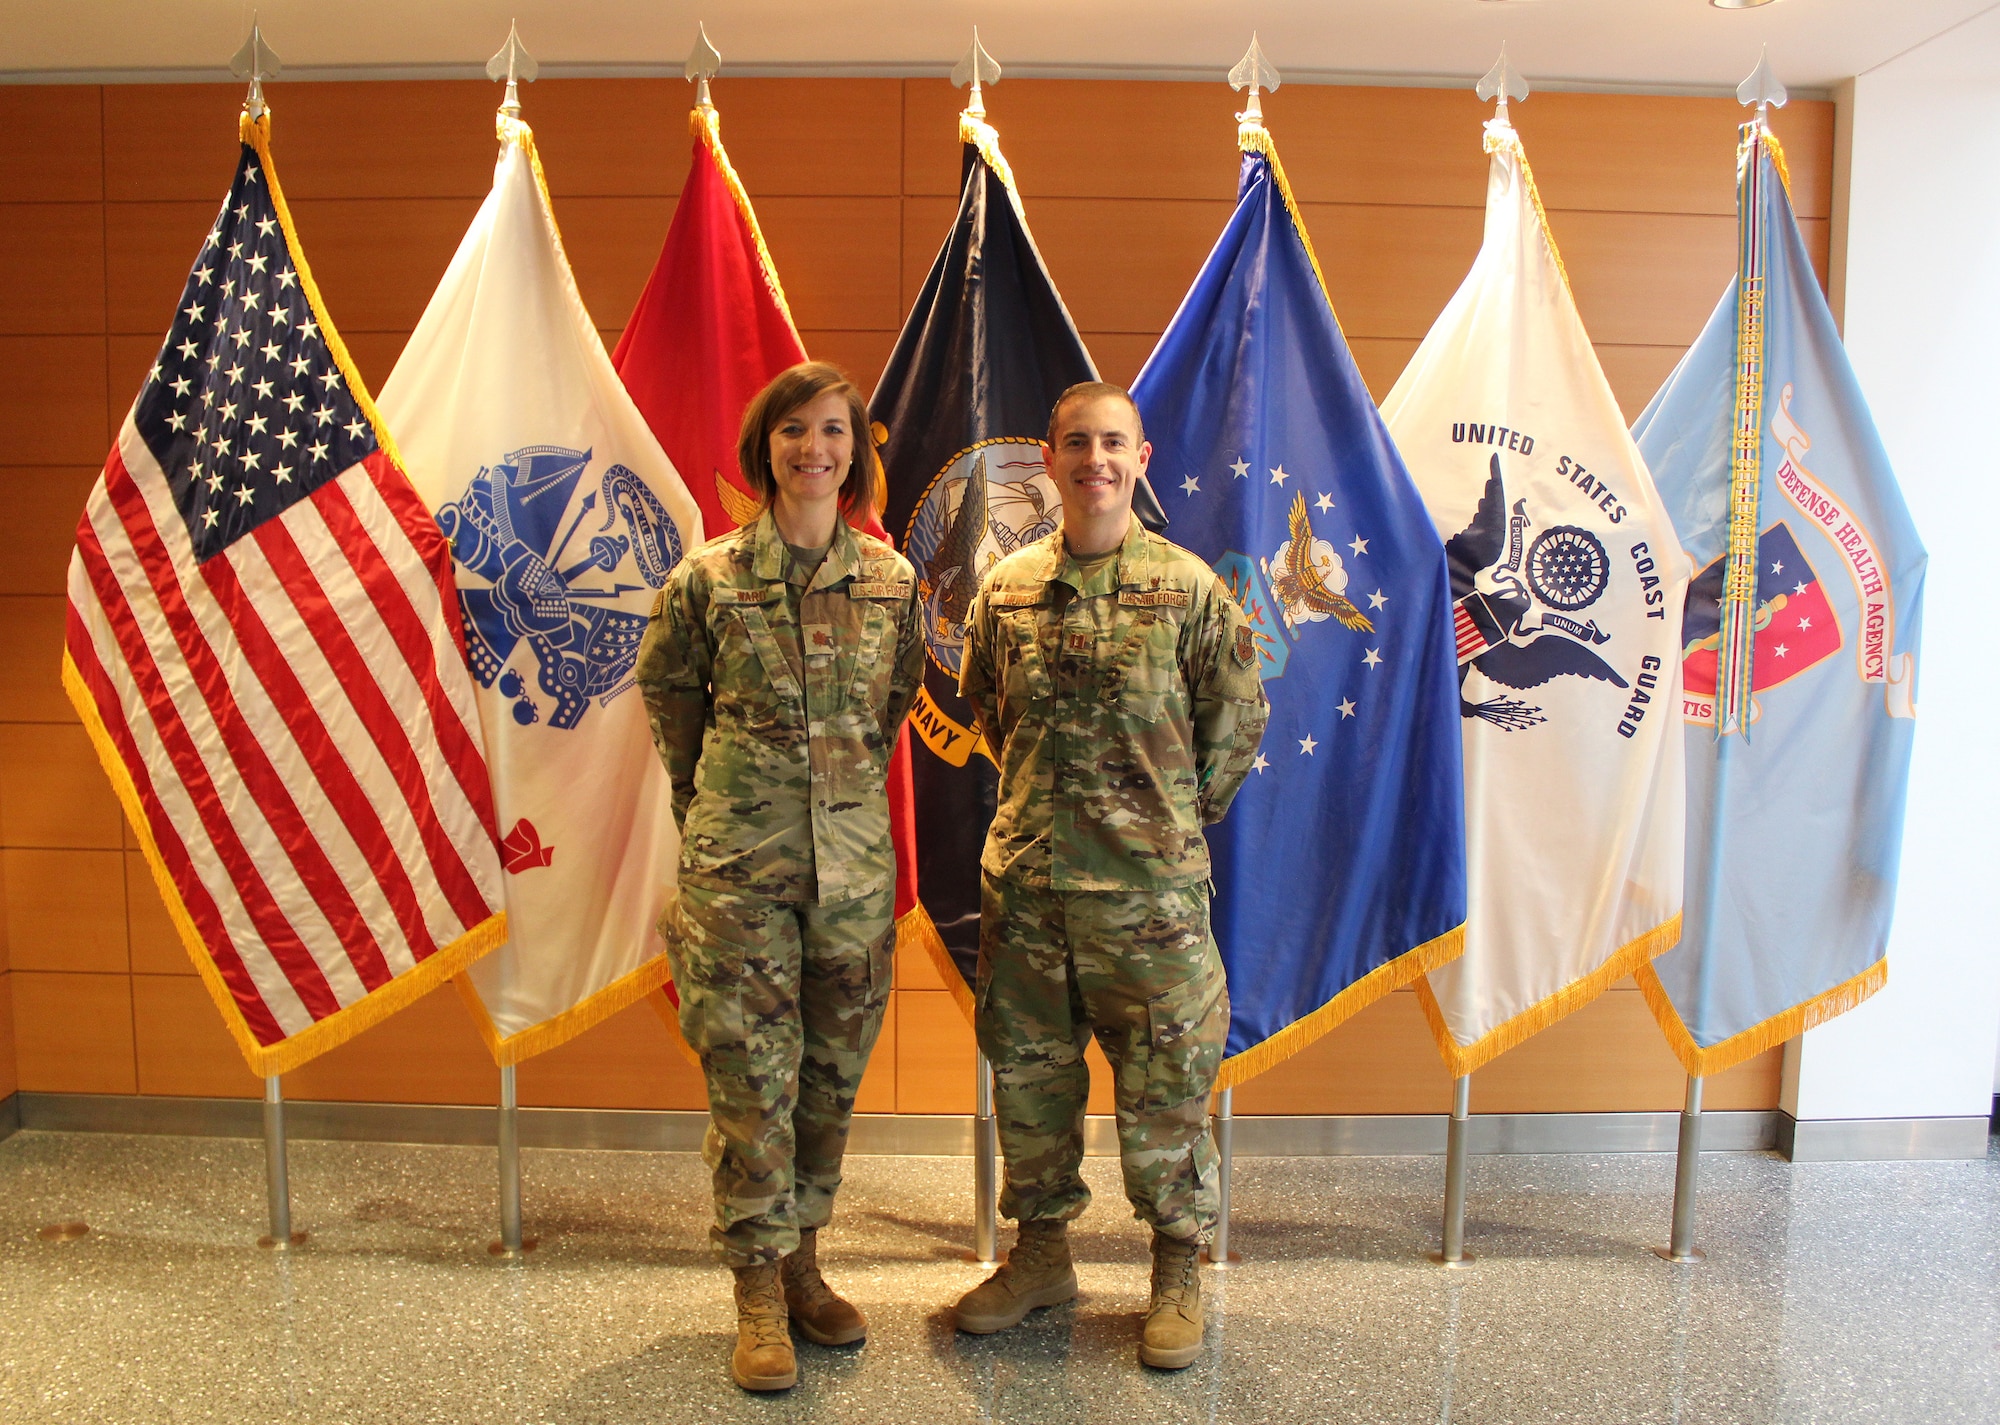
799,386
1091,390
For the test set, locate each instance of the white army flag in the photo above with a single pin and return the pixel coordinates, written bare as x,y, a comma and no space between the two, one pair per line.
1567,582
564,516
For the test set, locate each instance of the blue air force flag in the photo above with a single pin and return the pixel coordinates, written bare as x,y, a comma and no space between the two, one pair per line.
1794,827
564,517
1565,580
1340,870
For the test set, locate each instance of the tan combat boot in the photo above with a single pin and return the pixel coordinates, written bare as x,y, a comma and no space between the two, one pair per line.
763,1359
1038,1272
1172,1336
821,1313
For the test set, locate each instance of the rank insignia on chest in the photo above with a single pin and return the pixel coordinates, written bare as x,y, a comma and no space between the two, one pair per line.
1078,642
819,638
1246,646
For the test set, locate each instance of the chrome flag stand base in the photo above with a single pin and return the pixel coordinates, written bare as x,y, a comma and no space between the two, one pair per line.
510,1247
277,1182
1687,1161
985,1170
1217,1253
1454,1253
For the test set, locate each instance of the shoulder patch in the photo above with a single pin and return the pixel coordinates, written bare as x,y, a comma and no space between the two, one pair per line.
1246,646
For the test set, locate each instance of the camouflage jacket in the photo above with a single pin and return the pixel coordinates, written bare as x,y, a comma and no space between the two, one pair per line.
1125,709
775,705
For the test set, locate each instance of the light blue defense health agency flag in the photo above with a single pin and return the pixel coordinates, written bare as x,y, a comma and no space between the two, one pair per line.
1340,869
1799,650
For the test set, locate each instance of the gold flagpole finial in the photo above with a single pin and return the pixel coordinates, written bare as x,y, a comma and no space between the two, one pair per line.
515,65
978,69
703,64
1256,73
1502,82
257,62
1762,89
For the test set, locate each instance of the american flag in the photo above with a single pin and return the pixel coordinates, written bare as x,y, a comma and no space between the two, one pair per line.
262,641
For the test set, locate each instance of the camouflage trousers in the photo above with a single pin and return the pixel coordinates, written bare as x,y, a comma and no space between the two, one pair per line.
1141,972
782,1002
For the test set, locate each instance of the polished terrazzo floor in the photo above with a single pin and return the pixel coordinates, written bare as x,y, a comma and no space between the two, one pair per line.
1834,1292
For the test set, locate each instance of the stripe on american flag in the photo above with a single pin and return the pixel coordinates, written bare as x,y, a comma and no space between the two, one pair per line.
263,640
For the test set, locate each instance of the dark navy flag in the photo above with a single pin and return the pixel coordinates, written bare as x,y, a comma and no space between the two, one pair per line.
965,402
1795,813
1340,869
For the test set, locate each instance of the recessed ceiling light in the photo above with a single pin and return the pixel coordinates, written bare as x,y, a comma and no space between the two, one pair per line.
1738,4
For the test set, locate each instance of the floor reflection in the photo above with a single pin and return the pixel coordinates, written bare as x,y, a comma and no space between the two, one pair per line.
1832,1293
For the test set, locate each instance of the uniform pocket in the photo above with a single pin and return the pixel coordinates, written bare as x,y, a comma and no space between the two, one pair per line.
1024,674
752,680
1147,675
1187,1026
868,689
882,966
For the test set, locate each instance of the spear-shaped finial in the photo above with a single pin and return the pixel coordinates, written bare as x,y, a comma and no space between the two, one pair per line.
255,62
1503,82
515,65
704,63
978,69
1762,88
1254,72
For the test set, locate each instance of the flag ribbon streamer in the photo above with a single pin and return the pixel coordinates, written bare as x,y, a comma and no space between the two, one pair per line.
1734,663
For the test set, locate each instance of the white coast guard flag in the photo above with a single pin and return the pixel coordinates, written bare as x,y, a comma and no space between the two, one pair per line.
1566,582
564,516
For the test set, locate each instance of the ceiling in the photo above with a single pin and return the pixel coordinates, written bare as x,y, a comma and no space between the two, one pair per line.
1662,44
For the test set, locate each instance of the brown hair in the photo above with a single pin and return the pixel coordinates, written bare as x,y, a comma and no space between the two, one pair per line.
1090,391
790,389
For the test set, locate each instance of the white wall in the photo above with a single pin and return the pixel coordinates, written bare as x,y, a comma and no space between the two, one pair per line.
1922,310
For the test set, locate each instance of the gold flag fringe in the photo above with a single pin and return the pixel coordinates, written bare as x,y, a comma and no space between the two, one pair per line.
1777,151
1700,1062
1511,142
1258,140
1382,980
705,126
917,931
337,1028
627,990
984,137
671,1017
1628,959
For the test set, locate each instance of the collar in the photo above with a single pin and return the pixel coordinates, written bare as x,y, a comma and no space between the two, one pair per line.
1134,559
769,558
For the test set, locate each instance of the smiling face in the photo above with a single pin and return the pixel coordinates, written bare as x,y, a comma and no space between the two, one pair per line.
812,448
1096,459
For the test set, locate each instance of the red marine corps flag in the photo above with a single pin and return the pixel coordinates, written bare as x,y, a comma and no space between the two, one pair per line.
262,644
708,333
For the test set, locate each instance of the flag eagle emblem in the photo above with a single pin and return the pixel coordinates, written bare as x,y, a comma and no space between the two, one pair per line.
990,500
1308,578
1496,584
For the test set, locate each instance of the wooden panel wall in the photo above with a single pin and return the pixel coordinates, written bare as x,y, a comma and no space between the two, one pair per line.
110,190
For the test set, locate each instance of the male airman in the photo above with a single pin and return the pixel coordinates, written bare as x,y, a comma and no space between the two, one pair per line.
1116,681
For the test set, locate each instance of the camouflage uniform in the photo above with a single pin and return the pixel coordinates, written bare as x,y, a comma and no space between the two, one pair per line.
775,704
1127,707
